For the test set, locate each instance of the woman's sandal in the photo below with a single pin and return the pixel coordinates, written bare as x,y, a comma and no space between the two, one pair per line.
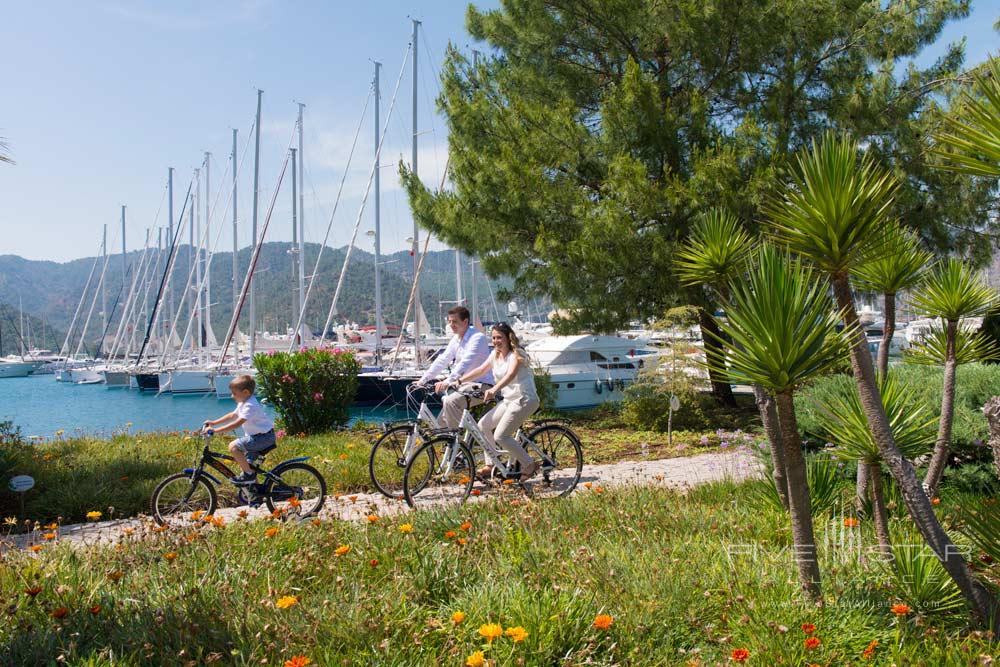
529,472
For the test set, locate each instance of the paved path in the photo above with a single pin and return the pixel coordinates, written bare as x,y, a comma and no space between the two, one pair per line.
677,473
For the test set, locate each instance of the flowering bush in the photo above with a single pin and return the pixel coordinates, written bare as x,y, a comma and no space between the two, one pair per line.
310,390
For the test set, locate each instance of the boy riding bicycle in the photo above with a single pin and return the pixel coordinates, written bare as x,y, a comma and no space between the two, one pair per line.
258,427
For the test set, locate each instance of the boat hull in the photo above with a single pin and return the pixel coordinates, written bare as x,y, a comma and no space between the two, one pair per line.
147,381
190,382
16,369
116,378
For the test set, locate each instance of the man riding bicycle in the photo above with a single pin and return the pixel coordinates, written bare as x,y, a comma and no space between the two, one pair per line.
468,349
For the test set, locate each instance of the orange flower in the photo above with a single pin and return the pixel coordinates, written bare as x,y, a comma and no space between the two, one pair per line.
740,655
243,514
271,532
353,499
477,659
115,575
491,631
169,556
449,535
93,516
52,526
516,634
95,610
851,522
869,651
59,612
461,541
900,609
458,617
603,621
33,591
373,562
587,485
197,514
317,522
808,628
599,489
286,601
36,548
812,642
406,528
294,502
477,492
373,518
343,550
49,536
508,482
218,521
465,480
278,513
298,661
466,526
935,501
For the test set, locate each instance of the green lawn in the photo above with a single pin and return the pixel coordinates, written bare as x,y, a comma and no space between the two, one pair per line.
687,580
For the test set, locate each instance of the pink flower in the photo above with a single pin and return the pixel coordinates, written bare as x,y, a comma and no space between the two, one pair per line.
317,397
338,350
287,379
303,348
271,353
279,434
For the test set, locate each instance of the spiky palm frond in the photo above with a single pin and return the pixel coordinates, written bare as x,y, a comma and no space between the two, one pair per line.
843,422
716,252
782,325
969,348
835,211
953,291
899,266
969,143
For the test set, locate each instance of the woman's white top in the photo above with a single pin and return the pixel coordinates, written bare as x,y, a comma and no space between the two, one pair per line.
522,388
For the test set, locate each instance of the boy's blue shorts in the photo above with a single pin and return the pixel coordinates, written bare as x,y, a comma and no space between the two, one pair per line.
253,445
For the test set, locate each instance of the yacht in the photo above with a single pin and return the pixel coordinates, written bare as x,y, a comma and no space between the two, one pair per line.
15,367
586,370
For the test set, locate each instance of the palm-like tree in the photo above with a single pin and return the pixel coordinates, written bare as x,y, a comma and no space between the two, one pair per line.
782,331
969,348
716,255
834,213
899,266
969,142
952,291
844,423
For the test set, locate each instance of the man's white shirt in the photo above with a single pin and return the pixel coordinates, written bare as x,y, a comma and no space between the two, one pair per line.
468,352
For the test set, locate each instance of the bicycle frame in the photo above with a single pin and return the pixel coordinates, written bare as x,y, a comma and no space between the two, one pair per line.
468,429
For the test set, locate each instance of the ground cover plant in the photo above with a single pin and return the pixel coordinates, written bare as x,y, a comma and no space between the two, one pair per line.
607,577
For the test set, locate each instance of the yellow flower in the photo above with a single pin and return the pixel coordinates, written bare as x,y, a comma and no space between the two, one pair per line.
406,528
343,550
516,634
477,659
59,432
458,617
93,516
10,521
286,601
491,631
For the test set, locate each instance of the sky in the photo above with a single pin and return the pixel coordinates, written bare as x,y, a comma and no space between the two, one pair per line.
99,98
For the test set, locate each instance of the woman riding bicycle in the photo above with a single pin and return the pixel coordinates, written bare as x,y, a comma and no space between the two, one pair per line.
515,383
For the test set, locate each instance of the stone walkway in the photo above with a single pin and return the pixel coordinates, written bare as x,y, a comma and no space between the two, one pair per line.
677,473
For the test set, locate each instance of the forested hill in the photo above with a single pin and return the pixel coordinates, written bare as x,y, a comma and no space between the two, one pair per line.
50,291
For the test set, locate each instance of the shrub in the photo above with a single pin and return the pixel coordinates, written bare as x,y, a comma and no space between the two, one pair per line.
311,390
647,400
547,392
10,439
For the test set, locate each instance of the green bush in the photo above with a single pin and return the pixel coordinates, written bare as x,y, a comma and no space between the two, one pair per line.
647,400
311,390
547,392
975,384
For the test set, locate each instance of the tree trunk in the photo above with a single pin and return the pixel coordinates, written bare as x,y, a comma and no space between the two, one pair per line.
715,355
992,412
939,459
799,507
980,600
888,329
861,488
769,417
879,512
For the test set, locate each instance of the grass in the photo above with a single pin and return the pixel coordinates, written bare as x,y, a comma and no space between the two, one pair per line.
687,579
116,476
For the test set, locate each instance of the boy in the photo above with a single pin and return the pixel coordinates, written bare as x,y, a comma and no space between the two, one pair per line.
258,428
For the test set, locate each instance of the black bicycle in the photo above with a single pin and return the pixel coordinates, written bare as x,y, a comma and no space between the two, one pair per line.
293,488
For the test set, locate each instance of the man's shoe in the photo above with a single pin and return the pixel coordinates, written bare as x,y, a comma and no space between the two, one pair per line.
245,479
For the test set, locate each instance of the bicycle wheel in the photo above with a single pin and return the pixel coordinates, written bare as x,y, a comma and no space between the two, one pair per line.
177,497
387,460
298,492
557,452
441,472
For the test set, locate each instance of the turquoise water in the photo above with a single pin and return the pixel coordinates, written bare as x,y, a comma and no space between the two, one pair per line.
40,406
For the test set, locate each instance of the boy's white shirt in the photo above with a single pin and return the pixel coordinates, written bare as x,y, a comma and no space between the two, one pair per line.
256,419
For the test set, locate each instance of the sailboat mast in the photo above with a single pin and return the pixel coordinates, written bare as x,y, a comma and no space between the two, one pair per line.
416,229
236,247
104,292
207,307
253,237
170,235
124,262
302,221
297,307
193,219
458,276
379,326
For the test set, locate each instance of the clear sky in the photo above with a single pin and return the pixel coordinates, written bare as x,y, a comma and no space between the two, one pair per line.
98,98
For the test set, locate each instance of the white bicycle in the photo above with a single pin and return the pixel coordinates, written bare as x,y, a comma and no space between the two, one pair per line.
444,469
399,440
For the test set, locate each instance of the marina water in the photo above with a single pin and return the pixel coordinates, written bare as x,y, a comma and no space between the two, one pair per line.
40,406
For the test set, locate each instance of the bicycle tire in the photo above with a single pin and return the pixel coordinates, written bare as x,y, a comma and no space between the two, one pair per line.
555,481
294,488
425,484
186,505
386,457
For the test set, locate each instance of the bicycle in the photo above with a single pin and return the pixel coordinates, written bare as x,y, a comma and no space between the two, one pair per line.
445,469
293,487
399,440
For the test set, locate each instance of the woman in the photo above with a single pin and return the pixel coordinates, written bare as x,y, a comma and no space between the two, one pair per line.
515,382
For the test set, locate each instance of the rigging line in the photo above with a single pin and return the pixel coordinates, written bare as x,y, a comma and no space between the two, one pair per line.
364,201
430,104
329,227
65,346
226,184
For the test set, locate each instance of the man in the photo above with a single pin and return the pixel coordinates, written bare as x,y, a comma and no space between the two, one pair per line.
467,349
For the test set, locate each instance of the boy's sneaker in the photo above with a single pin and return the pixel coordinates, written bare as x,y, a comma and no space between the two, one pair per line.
245,479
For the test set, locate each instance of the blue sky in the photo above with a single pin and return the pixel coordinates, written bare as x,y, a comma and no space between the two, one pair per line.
100,97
